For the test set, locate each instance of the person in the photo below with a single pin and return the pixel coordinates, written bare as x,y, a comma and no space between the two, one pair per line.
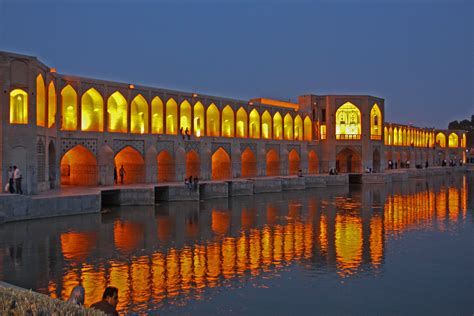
426,164
187,133
109,301
186,183
390,164
181,132
331,171
191,183
122,173
77,295
395,165
196,183
17,178
115,174
11,189
408,163
300,173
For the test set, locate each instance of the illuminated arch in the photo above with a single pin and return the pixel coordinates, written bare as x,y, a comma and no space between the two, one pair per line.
348,160
69,108
51,104
288,127
385,135
40,101
221,167
156,116
171,117
78,167
376,123
395,136
92,111
266,125
390,136
348,122
298,128
18,107
254,124
185,116
453,140
198,119
441,140
193,164
212,120
227,122
139,115
166,167
308,129
404,137
133,165
242,126
273,163
277,126
312,162
293,162
463,141
117,110
249,163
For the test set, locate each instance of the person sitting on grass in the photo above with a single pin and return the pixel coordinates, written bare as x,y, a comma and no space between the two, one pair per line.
109,301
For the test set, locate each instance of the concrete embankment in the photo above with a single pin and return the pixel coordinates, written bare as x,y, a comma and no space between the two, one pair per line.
70,201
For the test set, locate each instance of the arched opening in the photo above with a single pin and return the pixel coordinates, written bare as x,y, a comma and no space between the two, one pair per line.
171,117
293,162
52,164
298,134
18,107
254,124
40,161
156,116
375,123
348,160
463,141
273,163
227,122
249,163
69,108
40,101
193,165
92,111
166,167
376,160
185,116
453,140
133,166
212,120
441,140
198,119
395,136
79,167
139,115
277,126
51,104
242,123
288,127
404,137
308,129
400,137
348,122
117,113
312,162
266,125
385,134
221,167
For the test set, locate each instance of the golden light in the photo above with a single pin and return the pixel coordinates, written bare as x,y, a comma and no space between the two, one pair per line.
348,122
18,107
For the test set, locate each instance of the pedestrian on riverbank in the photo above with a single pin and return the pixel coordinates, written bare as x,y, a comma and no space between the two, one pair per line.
195,184
109,301
122,174
115,174
17,177
11,188
77,295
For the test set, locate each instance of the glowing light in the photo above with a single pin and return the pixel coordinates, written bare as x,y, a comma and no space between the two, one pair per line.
18,107
348,122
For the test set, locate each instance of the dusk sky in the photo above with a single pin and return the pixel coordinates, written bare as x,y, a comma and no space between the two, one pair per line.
417,55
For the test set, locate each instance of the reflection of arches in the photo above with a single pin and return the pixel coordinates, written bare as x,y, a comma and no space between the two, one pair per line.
249,163
166,167
312,162
92,111
376,160
293,162
52,164
79,167
227,122
193,165
133,164
221,168
40,101
212,120
117,109
241,123
273,163
348,160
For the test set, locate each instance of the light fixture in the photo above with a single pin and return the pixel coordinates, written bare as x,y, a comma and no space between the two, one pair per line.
131,86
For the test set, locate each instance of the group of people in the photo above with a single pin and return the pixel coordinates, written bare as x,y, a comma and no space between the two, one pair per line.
191,183
394,165
333,171
185,132
452,162
108,304
121,173
14,180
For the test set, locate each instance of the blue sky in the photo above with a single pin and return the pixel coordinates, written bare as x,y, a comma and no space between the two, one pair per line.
417,55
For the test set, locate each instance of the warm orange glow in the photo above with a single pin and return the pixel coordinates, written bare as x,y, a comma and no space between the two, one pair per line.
298,132
139,115
254,124
79,167
453,140
198,119
221,168
376,240
348,161
288,127
227,122
277,126
77,245
117,110
52,70
273,163
40,101
92,111
93,281
69,108
441,140
266,125
293,162
156,116
51,104
193,164
308,129
278,103
249,163
242,126
220,222
348,122
133,165
312,162
18,107
166,167
323,131
128,236
375,123
212,120
348,242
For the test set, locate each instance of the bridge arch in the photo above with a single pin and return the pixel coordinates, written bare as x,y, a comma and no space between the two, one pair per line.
221,166
348,160
117,109
441,140
273,163
40,101
79,167
242,125
133,164
193,164
92,111
312,162
293,162
166,167
249,163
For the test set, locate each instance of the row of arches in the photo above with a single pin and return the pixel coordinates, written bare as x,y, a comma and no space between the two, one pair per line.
402,136
80,167
349,122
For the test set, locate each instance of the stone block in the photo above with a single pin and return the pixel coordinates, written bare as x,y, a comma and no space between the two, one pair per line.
314,181
213,190
175,193
292,183
265,185
339,179
240,187
376,178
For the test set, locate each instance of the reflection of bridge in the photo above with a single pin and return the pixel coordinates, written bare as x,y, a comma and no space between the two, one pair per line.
156,254
77,130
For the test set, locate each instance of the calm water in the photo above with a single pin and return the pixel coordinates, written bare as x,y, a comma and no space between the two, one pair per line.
406,248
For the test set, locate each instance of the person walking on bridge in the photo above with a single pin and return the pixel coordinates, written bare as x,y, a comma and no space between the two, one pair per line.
122,174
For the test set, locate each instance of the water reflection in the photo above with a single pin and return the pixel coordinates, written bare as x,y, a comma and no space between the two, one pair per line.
174,252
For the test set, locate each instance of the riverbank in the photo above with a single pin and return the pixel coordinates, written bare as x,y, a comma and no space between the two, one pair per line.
18,301
84,200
